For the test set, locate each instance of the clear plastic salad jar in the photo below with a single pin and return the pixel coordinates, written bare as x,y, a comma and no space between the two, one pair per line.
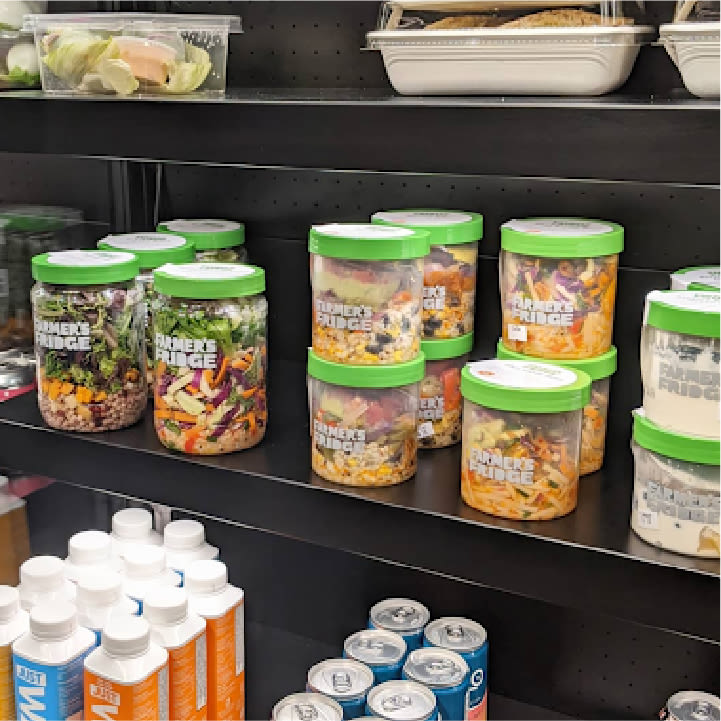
441,406
152,250
522,438
705,277
595,414
363,421
367,283
209,336
680,361
558,286
89,339
215,241
676,489
449,271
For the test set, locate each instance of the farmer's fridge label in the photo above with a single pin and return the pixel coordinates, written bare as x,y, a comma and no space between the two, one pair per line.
342,316
338,438
434,297
498,467
541,312
689,382
186,352
62,336
431,409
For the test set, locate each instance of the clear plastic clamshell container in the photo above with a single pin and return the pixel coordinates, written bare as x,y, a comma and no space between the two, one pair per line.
525,47
19,68
132,54
692,42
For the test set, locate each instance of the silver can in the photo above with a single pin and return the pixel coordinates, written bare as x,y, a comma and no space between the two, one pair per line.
344,680
691,706
383,651
402,701
402,616
307,707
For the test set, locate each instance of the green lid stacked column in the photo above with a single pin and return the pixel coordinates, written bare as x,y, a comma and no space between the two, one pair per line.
152,250
209,334
704,277
89,339
215,241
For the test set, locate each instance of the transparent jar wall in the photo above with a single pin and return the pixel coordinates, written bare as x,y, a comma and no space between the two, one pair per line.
522,466
593,434
210,397
366,312
363,436
237,254
680,376
558,308
145,280
449,290
676,504
441,404
96,381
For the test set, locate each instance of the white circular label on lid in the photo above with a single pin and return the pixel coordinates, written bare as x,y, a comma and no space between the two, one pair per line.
205,225
359,230
559,227
522,374
706,301
424,217
207,271
89,258
144,241
704,276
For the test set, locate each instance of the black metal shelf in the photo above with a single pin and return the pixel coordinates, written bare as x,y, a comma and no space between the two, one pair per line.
588,560
375,130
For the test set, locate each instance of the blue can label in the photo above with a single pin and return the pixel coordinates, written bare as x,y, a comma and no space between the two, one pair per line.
48,693
477,696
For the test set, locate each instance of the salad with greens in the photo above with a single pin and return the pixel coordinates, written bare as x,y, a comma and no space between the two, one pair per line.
210,373
91,356
19,67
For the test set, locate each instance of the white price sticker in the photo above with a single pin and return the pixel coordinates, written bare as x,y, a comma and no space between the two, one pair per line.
648,519
425,429
517,332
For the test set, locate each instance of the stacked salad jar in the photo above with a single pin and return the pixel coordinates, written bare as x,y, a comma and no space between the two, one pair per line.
89,339
215,241
522,426
595,414
449,270
209,336
676,434
152,250
706,277
558,286
366,364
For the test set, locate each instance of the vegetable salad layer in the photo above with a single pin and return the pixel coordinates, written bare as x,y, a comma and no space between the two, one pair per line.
91,356
593,431
210,374
558,308
363,437
366,312
439,415
520,466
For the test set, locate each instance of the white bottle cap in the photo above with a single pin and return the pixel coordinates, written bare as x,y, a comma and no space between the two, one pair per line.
53,620
132,523
206,577
89,547
125,636
42,573
99,588
184,535
166,606
9,603
143,561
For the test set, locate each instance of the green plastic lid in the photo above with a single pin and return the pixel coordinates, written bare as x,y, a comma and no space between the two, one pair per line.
601,366
354,376
690,312
206,233
364,241
84,267
683,448
444,348
446,227
525,386
702,277
562,237
208,281
151,249
39,218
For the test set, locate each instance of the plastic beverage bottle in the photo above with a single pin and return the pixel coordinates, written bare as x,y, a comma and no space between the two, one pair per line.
222,606
132,527
144,568
48,664
99,598
184,542
126,677
42,578
88,551
13,624
182,635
